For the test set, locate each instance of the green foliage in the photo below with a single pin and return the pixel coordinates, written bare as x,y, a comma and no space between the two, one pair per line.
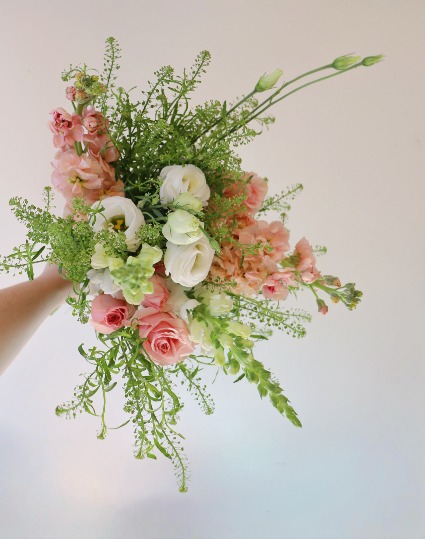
232,351
280,202
72,244
269,313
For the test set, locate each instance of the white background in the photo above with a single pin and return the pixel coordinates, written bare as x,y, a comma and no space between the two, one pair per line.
356,469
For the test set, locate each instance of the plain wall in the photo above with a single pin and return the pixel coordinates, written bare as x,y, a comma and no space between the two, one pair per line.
356,469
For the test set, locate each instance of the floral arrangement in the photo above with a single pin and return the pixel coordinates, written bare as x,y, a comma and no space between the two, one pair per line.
166,241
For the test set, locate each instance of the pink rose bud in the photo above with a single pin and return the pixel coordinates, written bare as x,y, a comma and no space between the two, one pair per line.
70,93
109,314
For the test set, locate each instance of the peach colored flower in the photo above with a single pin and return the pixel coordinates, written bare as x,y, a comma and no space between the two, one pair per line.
94,121
159,296
276,285
250,270
66,128
83,175
167,338
255,190
109,314
306,264
102,146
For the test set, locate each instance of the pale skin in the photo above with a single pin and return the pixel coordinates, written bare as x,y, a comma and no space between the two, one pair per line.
24,306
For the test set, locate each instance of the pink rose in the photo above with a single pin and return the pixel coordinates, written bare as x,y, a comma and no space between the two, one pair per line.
306,261
159,295
255,191
109,314
66,128
167,336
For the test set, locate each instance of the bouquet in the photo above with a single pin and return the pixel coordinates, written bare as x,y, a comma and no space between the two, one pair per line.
169,244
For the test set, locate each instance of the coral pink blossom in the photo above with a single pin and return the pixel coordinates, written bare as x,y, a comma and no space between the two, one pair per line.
276,285
255,191
167,338
83,175
109,314
67,129
101,145
94,121
250,270
159,295
306,264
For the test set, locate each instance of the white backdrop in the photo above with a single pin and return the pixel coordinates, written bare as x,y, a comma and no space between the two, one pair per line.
356,469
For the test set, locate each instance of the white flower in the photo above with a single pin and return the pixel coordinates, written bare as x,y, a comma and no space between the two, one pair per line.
188,265
178,302
218,302
186,201
178,179
101,280
182,228
120,214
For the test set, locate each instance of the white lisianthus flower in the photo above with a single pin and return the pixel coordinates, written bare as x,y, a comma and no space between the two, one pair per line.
120,214
186,201
101,280
182,228
178,302
218,302
178,179
188,265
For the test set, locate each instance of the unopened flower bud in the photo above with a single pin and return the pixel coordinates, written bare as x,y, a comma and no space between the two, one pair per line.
187,201
343,62
372,60
267,82
78,75
70,93
80,96
322,307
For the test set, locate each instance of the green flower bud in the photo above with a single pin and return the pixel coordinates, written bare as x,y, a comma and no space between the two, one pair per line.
372,60
267,82
343,62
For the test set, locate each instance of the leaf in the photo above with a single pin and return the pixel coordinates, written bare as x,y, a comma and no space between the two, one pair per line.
162,449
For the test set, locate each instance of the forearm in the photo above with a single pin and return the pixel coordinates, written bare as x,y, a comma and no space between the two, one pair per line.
23,308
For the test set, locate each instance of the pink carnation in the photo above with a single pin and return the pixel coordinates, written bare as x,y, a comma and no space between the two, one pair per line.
255,190
159,295
67,129
306,264
167,338
109,314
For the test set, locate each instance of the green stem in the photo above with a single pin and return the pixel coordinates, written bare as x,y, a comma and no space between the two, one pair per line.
298,89
78,145
211,126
